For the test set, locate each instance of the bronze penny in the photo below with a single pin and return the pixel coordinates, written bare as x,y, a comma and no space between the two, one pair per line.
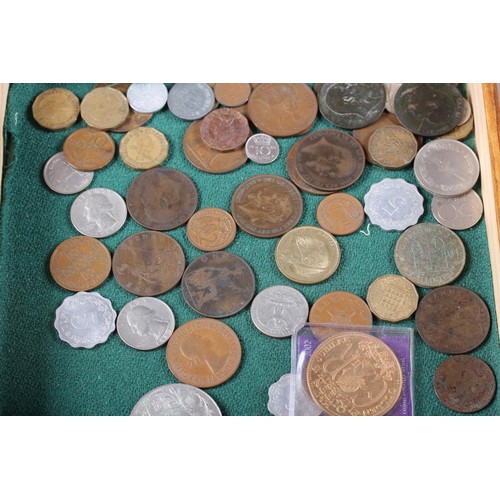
134,120
464,383
224,129
211,229
218,284
266,206
232,94
283,109
208,159
104,108
89,149
330,160
203,353
56,109
162,199
148,263
80,264
452,320
340,214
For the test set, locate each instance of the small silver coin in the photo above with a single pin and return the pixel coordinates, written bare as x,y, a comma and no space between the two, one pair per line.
176,400
278,310
145,323
446,167
394,204
262,149
191,101
391,89
147,97
62,178
459,212
85,319
98,212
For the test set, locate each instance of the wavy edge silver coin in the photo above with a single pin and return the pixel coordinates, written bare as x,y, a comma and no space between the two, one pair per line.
262,149
62,178
147,97
191,101
461,219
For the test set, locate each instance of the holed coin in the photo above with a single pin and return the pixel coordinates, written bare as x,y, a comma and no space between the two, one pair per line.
56,109
232,94
62,178
392,147
340,214
262,148
458,212
144,148
224,129
147,97
104,108
88,149
191,101
211,229
279,399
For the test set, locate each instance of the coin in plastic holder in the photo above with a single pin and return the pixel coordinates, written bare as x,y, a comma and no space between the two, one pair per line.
279,400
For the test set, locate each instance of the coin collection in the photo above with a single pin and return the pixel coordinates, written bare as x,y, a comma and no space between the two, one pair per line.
390,126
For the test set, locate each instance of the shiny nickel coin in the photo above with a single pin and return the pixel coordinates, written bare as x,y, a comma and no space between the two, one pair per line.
147,97
262,148
191,101
459,212
62,178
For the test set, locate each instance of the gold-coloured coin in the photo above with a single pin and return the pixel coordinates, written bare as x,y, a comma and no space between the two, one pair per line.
307,255
392,298
354,373
392,147
461,132
144,148
104,108
56,109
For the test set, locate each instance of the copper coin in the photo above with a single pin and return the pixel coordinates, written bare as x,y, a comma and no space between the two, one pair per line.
203,353
266,206
340,214
134,120
122,87
56,109
148,263
211,229
330,160
104,108
283,109
464,383
208,159
162,199
232,94
218,284
89,149
80,264
453,320
224,129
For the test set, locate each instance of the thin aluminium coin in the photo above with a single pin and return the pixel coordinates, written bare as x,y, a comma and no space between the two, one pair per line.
341,308
392,147
147,97
224,129
56,109
88,149
262,148
144,148
340,214
104,108
191,101
458,212
62,178
211,229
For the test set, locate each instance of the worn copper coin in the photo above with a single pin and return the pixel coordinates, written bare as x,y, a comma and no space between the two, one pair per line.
134,120
89,149
162,199
392,147
464,383
56,109
340,214
80,264
122,87
211,229
458,212
148,263
218,284
224,129
232,94
144,148
266,206
104,108
453,320
203,353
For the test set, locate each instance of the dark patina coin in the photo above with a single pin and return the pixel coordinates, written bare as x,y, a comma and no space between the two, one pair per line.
329,160
162,199
429,109
351,105
465,384
453,320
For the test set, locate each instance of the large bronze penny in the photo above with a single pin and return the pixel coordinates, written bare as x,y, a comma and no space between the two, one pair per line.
80,264
148,263
452,320
464,384
266,206
56,109
218,284
104,108
340,214
162,199
89,149
224,129
203,353
211,229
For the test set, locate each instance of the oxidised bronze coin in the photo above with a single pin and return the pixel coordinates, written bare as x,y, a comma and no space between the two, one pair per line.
211,229
224,129
340,214
89,149
218,284
465,384
232,94
56,109
266,206
452,320
162,199
148,263
134,120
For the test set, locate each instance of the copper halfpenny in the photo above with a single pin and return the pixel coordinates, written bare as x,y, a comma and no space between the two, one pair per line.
224,129
340,214
89,149
211,229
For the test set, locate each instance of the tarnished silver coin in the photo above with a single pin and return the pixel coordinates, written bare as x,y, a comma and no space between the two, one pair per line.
147,97
191,101
262,148
145,323
176,400
62,178
394,204
459,212
391,89
98,212
446,167
85,319
278,310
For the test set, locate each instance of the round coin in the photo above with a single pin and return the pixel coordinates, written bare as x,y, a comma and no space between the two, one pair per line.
62,178
147,97
56,109
134,120
461,132
340,214
104,108
392,147
232,94
191,101
88,149
262,148
211,229
224,129
391,89
458,212
144,148
467,112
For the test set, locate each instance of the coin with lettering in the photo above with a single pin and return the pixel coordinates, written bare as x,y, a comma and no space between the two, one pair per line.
211,229
56,109
89,149
262,148
191,101
458,212
147,97
224,129
232,94
340,214
392,147
62,178
144,148
104,108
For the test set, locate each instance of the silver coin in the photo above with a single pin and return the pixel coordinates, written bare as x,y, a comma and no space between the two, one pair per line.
191,101
394,204
262,148
85,319
176,400
145,323
278,310
147,97
459,212
446,167
391,89
62,178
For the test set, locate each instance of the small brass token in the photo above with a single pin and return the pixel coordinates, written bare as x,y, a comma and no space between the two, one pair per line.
392,147
56,109
144,148
104,108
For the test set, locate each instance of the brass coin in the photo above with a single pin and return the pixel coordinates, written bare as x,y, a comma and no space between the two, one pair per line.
232,94
89,149
144,148
80,264
461,132
56,109
340,214
307,255
104,108
224,129
211,229
392,147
